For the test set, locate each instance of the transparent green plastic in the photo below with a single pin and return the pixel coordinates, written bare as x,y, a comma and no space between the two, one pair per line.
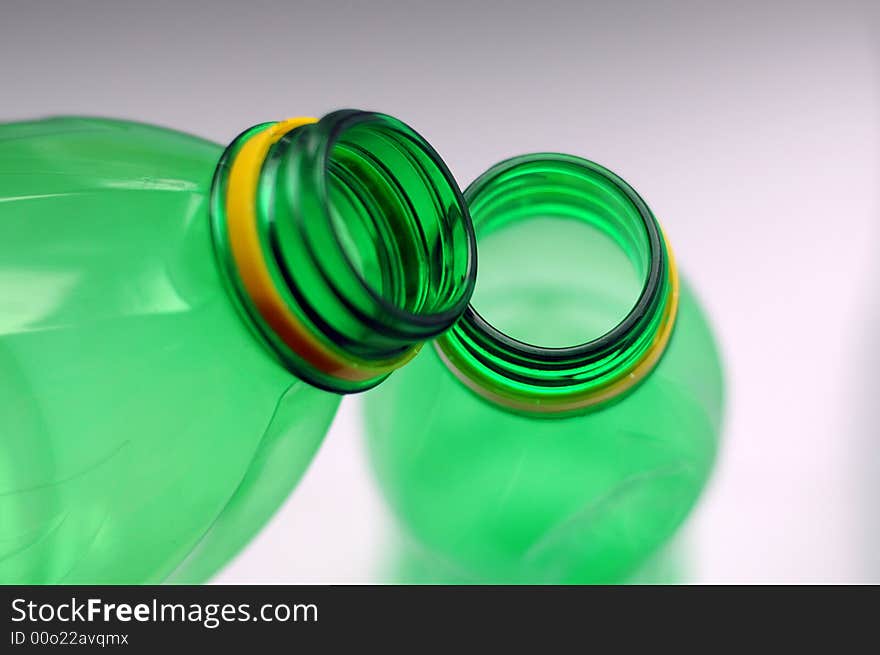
148,426
367,236
487,494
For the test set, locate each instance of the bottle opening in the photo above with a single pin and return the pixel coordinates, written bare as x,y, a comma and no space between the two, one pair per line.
576,293
554,281
346,242
398,217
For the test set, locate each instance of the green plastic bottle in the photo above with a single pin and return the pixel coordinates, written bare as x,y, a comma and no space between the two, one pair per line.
178,321
562,433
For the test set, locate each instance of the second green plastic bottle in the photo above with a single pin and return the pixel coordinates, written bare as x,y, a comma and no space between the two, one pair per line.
565,427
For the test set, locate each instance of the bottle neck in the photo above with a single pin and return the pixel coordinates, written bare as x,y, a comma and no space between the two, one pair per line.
345,242
553,382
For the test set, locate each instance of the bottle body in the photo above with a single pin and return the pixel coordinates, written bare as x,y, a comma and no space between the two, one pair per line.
489,495
142,408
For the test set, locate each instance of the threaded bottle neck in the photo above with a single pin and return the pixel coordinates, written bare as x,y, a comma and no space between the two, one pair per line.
553,382
346,242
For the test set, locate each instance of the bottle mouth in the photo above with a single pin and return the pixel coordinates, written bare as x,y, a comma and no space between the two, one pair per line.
347,243
560,381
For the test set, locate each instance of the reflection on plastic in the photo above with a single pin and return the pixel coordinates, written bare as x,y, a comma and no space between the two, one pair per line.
411,563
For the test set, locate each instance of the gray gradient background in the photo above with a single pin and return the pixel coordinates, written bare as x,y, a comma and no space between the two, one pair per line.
752,129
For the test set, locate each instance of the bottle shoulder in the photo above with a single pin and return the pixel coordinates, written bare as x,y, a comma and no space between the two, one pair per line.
64,154
73,128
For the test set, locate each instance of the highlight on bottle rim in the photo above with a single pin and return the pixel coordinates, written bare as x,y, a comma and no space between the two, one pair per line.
554,382
326,230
